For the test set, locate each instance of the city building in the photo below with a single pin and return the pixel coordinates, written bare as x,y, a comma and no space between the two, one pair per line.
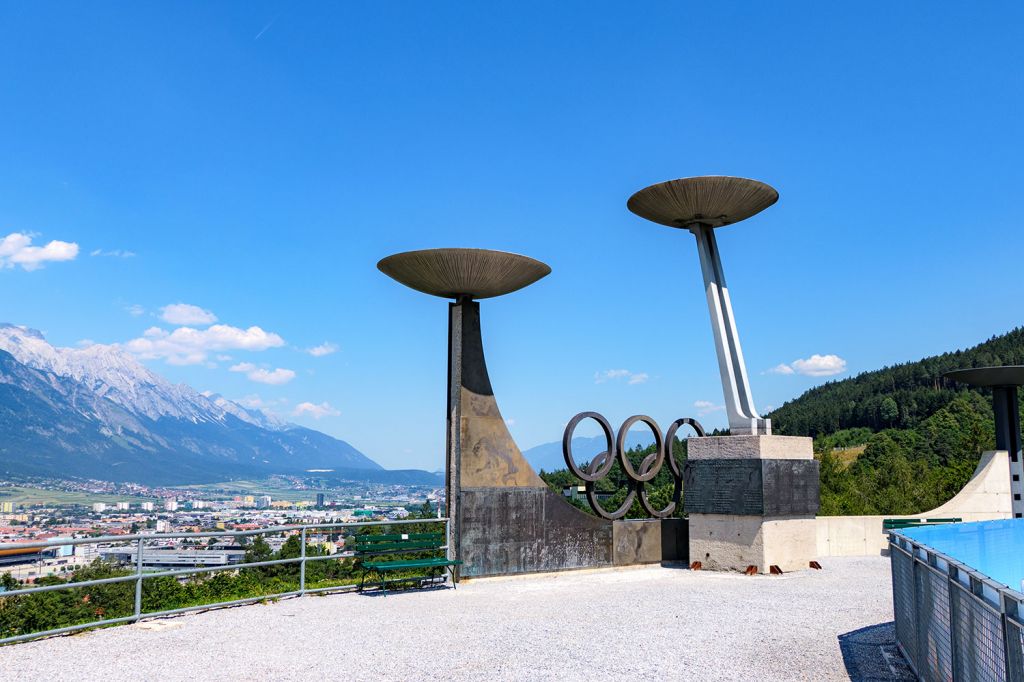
170,505
99,507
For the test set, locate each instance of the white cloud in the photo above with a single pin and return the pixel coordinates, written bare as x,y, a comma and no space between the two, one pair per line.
325,348
814,366
510,422
706,407
315,411
274,377
189,346
16,249
135,309
113,253
613,374
252,401
185,313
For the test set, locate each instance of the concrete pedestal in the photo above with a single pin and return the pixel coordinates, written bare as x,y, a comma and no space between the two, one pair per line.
751,501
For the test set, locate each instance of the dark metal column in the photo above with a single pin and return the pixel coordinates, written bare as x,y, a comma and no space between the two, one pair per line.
453,447
1007,414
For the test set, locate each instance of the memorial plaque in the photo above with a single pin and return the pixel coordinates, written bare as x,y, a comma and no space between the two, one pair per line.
790,487
723,486
751,487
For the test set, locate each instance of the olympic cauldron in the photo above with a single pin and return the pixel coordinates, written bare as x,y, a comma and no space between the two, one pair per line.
504,517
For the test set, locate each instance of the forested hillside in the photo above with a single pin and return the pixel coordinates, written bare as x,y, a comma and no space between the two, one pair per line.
899,440
901,396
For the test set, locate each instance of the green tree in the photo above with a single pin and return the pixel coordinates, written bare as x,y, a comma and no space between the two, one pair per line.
889,411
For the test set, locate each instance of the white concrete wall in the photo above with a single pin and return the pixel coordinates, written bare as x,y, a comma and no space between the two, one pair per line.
986,496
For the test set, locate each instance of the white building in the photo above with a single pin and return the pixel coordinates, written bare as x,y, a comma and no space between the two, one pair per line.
170,505
99,507
147,506
122,506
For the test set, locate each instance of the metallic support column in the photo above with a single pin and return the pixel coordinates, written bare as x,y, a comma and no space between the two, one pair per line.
739,404
1008,437
453,449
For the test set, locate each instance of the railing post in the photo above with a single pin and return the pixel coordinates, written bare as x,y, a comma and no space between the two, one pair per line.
952,580
138,580
302,565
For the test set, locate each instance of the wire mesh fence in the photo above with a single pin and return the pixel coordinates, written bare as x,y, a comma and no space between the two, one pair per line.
952,622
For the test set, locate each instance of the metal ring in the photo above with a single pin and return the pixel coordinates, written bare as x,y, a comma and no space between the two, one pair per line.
598,474
620,445
670,436
592,492
676,492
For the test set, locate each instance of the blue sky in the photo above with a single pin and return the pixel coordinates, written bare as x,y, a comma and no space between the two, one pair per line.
256,160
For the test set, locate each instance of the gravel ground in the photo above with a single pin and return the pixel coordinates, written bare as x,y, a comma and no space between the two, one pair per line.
646,623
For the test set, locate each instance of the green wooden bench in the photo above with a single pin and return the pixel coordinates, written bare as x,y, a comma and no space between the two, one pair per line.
897,524
387,556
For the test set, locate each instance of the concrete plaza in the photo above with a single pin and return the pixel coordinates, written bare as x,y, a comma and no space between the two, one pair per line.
638,623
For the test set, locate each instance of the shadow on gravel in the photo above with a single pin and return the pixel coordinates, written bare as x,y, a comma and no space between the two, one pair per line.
871,654
375,591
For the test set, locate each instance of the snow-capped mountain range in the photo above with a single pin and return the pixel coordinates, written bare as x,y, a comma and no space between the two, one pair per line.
116,375
98,412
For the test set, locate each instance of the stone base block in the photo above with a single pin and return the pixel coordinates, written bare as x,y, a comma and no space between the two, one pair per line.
649,541
733,543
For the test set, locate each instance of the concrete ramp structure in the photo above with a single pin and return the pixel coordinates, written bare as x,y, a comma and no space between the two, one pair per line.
986,496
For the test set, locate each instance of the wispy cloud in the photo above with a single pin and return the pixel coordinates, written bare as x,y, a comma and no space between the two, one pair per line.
113,253
186,313
706,407
325,348
616,374
315,411
16,250
814,366
274,377
135,309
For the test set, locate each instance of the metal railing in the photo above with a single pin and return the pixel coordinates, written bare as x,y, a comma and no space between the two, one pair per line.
952,622
139,575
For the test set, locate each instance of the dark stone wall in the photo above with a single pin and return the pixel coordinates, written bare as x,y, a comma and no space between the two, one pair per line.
526,530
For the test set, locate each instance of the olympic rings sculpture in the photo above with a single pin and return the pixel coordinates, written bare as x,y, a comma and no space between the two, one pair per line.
601,465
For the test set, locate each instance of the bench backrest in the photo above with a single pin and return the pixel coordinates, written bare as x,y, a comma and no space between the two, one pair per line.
896,524
397,542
